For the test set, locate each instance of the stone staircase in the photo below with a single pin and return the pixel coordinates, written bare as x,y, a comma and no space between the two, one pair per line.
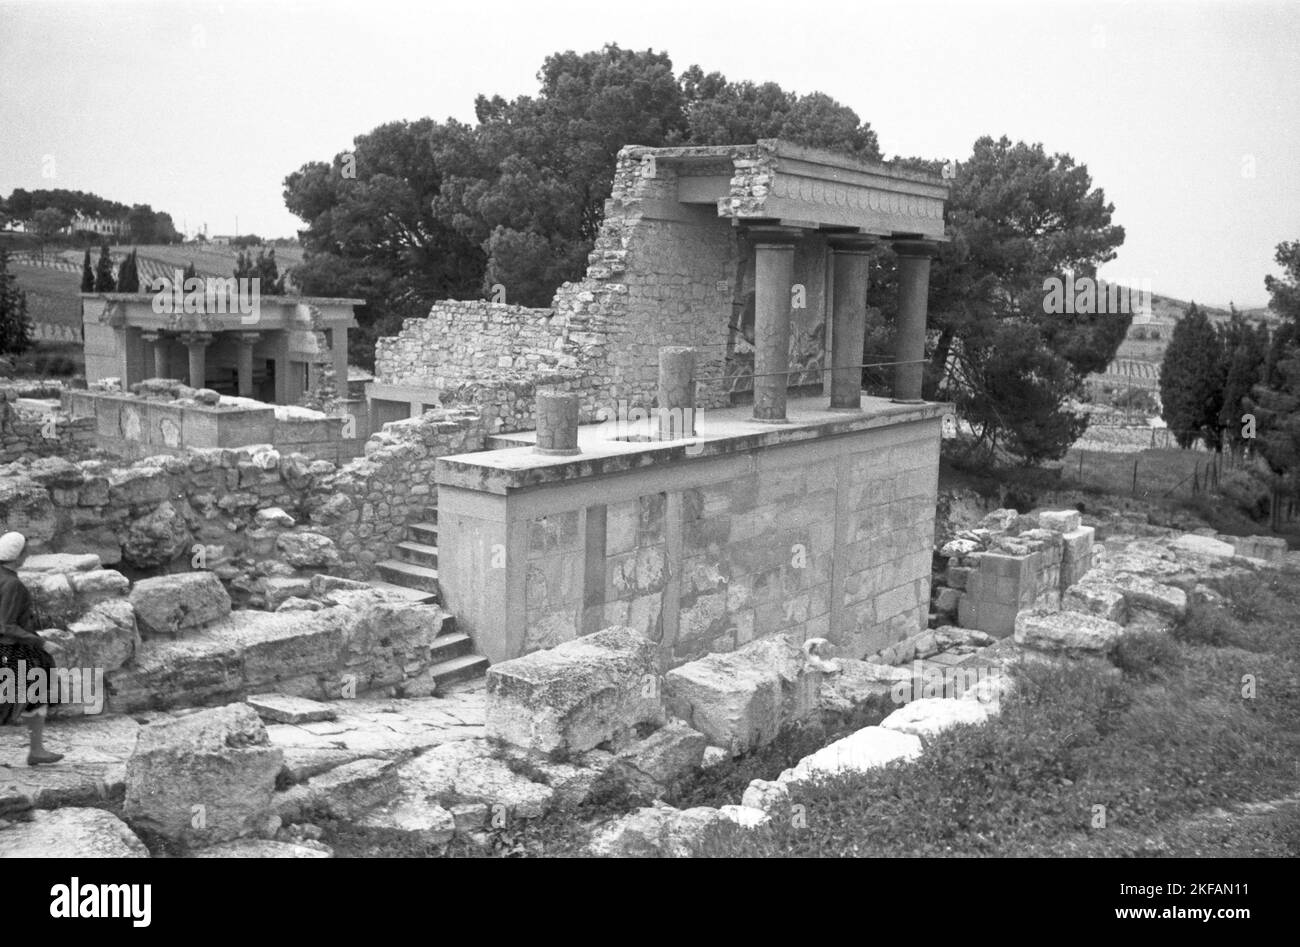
413,572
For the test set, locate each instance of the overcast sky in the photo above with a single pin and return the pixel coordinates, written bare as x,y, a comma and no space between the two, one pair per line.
1186,114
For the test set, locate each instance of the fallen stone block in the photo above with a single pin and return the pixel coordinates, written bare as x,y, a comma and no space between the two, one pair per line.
655,831
203,778
105,637
98,584
743,699
71,833
171,604
465,771
744,816
1102,599
1059,521
767,796
859,682
1066,631
656,763
61,562
307,550
867,749
278,589
1203,546
577,695
283,708
930,716
1141,592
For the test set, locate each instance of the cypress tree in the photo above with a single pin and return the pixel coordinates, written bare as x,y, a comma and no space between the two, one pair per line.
1191,381
15,327
104,282
128,276
87,274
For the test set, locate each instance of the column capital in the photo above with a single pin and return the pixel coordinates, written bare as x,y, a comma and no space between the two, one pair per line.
151,335
853,243
915,248
774,236
248,338
196,338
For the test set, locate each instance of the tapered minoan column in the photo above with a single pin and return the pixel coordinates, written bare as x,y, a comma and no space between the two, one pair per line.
197,343
909,332
157,343
676,392
245,364
557,422
849,320
773,281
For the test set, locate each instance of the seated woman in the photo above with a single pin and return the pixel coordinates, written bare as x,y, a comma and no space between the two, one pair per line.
20,643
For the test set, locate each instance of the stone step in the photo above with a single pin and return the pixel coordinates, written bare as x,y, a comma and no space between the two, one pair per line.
449,647
409,575
419,553
463,668
403,593
426,532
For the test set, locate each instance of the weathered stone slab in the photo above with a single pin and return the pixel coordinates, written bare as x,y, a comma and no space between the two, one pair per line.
661,759
283,708
203,778
1203,546
345,792
171,604
577,695
71,833
1059,521
413,814
868,748
930,716
1066,631
857,683
62,562
1100,598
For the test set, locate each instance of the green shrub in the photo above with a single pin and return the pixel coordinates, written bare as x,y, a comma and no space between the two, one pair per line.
1146,653
1206,624
1245,492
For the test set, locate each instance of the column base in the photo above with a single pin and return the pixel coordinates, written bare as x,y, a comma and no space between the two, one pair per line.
847,409
552,452
771,420
907,401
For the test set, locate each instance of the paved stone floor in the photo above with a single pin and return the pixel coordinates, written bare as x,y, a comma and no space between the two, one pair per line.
96,747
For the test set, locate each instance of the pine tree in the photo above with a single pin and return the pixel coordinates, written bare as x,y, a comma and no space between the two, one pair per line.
1191,381
87,274
15,327
104,282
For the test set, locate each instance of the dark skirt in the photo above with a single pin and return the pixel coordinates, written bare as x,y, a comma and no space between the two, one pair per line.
31,656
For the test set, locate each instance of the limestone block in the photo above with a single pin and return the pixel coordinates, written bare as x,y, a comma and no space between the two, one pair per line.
1098,598
218,760
1203,546
1141,592
767,796
171,604
744,816
284,708
1067,631
857,683
344,792
413,814
61,562
577,695
1059,521
930,716
742,699
661,759
867,749
104,637
655,831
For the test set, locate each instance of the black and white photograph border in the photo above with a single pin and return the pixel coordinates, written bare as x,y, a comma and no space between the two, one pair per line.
573,430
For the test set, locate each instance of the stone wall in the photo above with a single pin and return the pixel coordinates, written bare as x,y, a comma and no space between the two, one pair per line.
825,538
257,514
33,434
661,272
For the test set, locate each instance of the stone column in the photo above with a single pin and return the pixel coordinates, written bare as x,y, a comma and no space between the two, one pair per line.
849,320
197,343
676,392
913,292
557,422
773,280
244,366
157,343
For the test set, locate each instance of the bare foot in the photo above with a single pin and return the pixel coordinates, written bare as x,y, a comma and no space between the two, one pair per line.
44,756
